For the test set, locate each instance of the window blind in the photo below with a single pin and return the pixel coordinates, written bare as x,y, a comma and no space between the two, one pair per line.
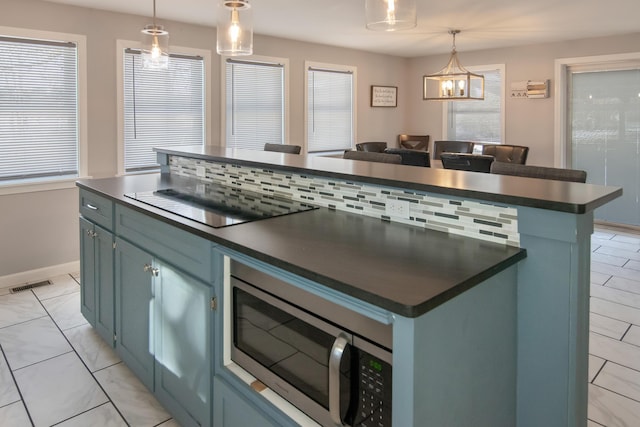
330,110
254,104
38,109
162,108
479,121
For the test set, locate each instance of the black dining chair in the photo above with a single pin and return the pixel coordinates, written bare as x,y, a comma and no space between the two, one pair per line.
467,162
283,148
372,157
376,147
414,142
507,153
440,147
558,174
411,157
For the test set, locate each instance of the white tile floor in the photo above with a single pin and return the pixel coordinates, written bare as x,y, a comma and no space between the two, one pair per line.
54,369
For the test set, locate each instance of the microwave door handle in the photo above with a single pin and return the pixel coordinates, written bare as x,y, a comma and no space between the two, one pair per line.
335,358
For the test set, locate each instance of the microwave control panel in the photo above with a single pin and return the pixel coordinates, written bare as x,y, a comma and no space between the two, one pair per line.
374,401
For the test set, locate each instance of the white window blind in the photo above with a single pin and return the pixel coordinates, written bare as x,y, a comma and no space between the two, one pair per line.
479,121
329,110
38,109
255,104
162,108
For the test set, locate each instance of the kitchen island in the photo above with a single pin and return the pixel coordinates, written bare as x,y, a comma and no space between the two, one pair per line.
486,290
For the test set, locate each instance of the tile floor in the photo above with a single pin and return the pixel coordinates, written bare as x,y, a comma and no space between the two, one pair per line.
54,370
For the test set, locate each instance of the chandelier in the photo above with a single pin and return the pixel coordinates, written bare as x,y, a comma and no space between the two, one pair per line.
155,45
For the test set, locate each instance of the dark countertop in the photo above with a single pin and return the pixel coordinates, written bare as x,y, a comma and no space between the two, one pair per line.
401,268
560,196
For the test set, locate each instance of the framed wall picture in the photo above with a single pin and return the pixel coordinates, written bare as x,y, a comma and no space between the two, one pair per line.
384,96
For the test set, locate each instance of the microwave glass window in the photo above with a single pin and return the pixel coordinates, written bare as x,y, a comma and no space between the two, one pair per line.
289,347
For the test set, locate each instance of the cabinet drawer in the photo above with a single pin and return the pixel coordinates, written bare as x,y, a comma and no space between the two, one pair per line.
190,253
96,208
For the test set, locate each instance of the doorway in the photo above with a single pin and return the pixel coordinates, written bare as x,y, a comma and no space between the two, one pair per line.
603,132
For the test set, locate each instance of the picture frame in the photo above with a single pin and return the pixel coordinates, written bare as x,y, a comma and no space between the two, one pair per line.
384,96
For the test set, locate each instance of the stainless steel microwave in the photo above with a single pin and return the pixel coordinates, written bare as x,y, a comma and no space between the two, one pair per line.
330,362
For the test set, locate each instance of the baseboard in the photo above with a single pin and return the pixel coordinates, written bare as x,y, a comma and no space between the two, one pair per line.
38,275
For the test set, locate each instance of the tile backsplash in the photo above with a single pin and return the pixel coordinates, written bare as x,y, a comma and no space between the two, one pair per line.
457,216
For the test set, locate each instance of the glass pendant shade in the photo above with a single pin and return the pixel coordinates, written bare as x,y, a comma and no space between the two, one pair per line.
234,28
155,45
390,15
453,82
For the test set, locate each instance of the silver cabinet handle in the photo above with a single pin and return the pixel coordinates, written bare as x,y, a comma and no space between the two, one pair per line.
90,206
337,351
146,268
92,234
155,272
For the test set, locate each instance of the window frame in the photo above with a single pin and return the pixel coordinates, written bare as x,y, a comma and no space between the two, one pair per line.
121,45
354,96
223,92
53,183
479,69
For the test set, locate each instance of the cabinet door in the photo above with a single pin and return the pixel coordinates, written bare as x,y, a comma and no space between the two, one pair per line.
87,272
134,310
104,285
231,409
183,345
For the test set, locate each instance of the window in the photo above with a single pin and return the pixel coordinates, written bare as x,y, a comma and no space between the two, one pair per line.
479,121
40,124
255,103
330,107
162,108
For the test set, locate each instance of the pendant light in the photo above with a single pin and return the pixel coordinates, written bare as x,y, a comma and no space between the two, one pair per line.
390,15
235,28
155,45
453,82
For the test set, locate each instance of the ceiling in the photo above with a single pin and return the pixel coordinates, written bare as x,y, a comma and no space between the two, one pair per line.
484,24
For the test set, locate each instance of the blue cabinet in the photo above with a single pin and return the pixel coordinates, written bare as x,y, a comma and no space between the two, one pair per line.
232,409
165,297
96,278
134,308
183,345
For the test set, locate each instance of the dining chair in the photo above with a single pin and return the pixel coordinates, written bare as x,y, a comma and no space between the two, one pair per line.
440,147
283,148
558,174
414,142
372,157
376,147
411,157
507,153
467,162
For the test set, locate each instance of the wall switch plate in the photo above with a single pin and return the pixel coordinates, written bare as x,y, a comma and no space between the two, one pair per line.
201,171
397,208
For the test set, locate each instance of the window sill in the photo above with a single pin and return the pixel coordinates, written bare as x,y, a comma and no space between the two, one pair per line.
36,186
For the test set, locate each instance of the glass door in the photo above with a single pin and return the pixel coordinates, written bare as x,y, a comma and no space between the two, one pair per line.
604,133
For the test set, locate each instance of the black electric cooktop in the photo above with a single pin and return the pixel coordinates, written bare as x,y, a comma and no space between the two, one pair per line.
219,206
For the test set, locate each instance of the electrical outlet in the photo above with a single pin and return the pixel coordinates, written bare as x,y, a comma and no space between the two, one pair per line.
397,208
201,171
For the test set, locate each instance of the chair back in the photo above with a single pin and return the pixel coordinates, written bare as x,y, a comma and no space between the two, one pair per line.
372,157
558,174
375,147
414,142
283,148
467,162
411,157
440,147
507,153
